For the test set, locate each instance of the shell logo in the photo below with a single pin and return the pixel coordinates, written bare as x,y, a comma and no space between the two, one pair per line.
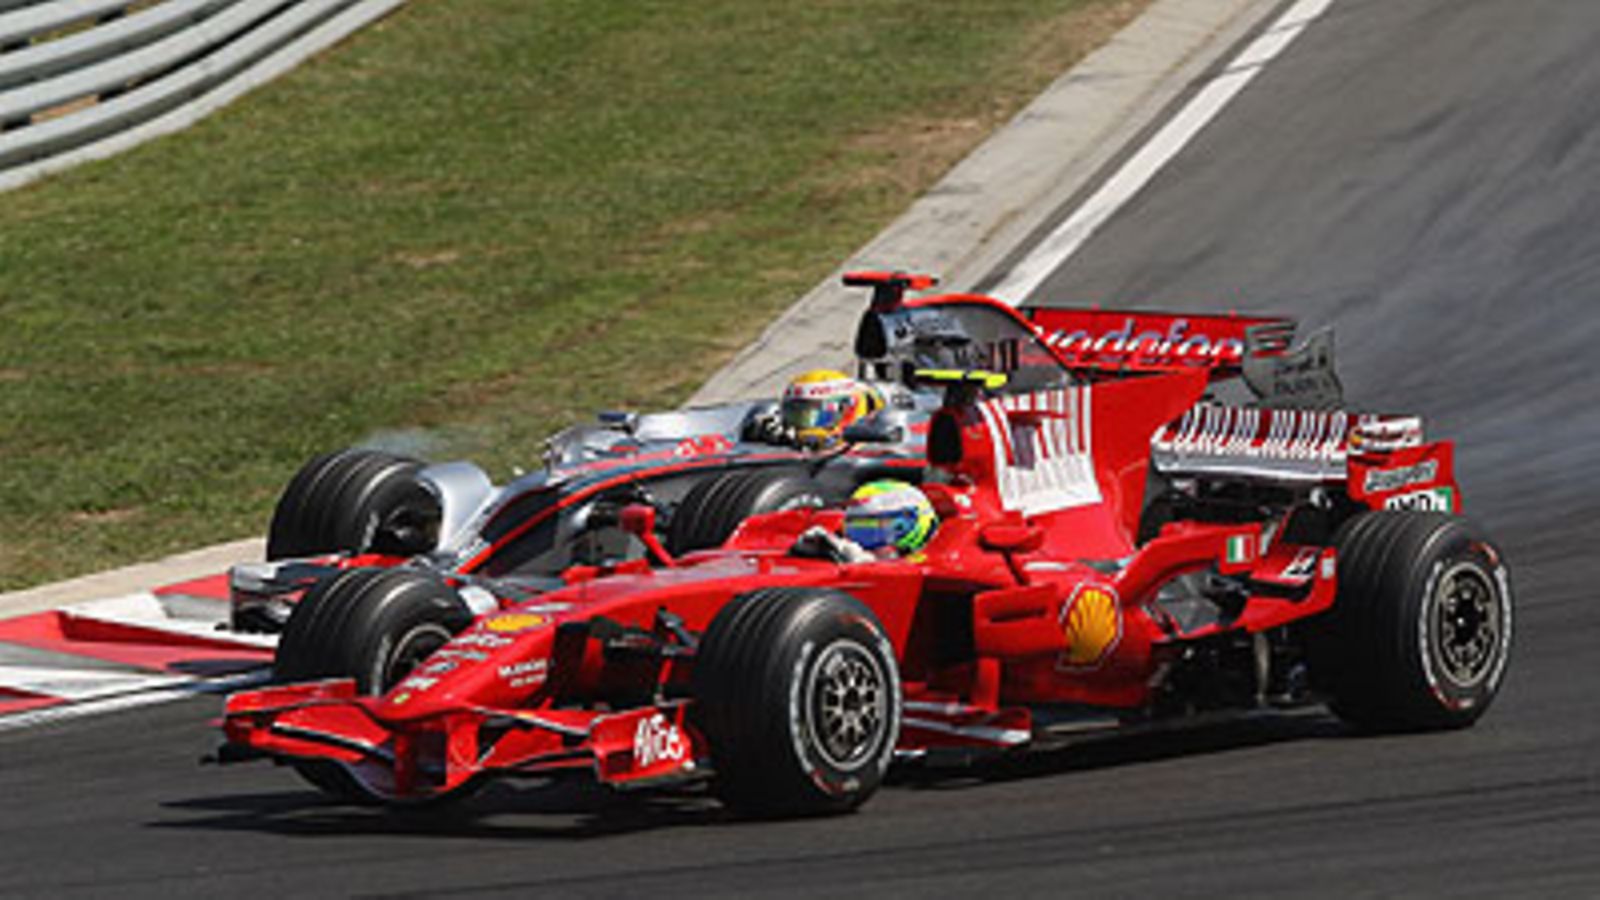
514,622
1091,625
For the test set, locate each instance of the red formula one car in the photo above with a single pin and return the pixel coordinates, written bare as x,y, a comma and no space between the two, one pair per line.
1119,547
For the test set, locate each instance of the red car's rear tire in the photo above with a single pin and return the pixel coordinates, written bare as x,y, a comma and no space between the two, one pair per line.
1420,632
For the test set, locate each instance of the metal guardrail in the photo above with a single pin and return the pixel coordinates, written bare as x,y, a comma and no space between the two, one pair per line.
85,79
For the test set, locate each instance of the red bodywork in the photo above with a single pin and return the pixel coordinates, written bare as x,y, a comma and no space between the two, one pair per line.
1033,596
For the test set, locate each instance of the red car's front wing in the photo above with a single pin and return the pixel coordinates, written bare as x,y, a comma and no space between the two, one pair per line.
431,755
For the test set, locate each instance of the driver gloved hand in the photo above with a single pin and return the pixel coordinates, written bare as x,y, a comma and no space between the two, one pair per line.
767,429
817,542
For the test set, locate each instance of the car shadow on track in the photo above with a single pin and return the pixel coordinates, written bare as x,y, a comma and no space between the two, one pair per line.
567,808
576,809
1119,749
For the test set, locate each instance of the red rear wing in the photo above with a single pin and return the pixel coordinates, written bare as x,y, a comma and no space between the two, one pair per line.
1128,341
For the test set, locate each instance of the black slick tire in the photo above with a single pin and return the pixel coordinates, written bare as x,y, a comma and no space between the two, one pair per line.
714,507
1420,633
373,625
798,695
354,501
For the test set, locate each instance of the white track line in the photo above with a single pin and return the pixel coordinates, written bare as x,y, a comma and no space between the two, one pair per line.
1121,187
83,684
132,697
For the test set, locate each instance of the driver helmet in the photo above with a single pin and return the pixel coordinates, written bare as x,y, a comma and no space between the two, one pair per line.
820,404
889,514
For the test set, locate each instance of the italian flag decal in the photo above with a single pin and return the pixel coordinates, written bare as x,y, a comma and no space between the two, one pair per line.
1239,549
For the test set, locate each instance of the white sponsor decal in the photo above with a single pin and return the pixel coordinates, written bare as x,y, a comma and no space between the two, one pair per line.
1386,435
485,639
1432,500
525,674
1125,341
1383,480
657,740
1303,566
1043,460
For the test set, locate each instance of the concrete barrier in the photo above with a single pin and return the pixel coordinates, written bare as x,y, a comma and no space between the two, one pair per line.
85,79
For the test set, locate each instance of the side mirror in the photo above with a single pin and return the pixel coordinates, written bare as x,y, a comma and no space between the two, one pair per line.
637,519
1006,537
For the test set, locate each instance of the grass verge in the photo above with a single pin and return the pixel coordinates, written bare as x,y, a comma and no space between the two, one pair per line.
466,227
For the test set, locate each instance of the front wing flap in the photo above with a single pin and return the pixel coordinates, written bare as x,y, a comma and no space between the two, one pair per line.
436,754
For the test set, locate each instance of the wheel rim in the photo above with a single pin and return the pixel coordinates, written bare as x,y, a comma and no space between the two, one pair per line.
1467,624
413,647
802,501
849,704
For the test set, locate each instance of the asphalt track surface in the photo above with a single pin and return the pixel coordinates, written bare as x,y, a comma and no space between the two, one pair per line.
1422,174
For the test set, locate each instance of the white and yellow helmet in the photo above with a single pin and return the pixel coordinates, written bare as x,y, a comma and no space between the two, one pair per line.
820,404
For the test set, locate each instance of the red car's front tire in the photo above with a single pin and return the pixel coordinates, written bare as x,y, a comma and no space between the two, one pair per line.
373,625
797,691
